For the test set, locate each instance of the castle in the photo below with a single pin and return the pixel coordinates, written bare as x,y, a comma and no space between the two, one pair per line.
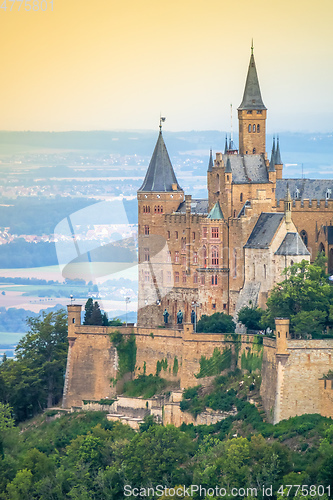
220,253
216,254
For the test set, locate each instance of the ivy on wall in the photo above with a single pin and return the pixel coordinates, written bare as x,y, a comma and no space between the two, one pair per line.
214,365
175,366
126,350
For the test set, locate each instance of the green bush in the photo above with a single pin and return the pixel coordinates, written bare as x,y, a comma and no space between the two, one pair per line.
145,385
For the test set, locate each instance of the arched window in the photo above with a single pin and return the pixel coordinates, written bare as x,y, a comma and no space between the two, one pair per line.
155,209
234,213
214,279
195,257
254,151
149,210
254,128
250,128
215,256
161,210
217,187
168,235
227,177
241,197
304,237
176,235
183,244
144,209
258,128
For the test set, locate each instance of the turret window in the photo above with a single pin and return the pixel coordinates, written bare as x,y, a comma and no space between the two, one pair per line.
254,151
254,128
258,128
146,230
249,112
250,128
241,197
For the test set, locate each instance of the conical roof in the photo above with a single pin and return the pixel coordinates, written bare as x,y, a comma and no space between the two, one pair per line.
216,212
211,163
228,167
160,174
252,95
278,160
272,162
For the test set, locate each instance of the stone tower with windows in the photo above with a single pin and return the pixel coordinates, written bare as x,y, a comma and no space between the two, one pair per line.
252,115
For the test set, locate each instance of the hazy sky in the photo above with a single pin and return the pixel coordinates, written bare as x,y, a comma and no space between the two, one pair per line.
116,64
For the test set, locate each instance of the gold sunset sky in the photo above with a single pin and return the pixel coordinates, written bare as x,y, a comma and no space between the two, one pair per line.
115,64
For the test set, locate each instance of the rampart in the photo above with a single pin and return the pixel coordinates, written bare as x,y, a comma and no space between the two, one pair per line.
92,362
292,376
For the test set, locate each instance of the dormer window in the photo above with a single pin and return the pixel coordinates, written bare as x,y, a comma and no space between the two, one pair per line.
328,193
297,193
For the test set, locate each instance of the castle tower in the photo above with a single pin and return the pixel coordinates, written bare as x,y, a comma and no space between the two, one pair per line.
215,181
278,161
159,195
74,318
252,115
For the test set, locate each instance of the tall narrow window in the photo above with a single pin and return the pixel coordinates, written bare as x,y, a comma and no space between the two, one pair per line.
254,151
215,232
168,235
184,277
146,255
193,236
214,279
184,260
176,235
250,128
146,230
202,279
195,257
168,276
183,244
258,128
195,278
147,276
235,263
304,237
204,256
215,256
241,197
176,257
204,232
169,256
254,128
176,277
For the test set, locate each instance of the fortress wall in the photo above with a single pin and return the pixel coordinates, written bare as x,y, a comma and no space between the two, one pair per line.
91,364
268,377
92,359
308,360
326,397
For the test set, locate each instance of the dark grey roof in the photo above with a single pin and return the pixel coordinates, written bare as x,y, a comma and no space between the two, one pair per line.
199,207
228,167
247,169
304,189
252,95
264,230
160,175
247,204
278,160
211,163
292,245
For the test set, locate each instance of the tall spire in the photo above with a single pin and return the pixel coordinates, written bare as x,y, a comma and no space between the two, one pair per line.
287,205
211,163
252,95
278,160
160,175
272,162
226,144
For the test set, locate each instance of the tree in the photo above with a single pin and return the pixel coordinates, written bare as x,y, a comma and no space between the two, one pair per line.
35,378
251,317
96,316
216,323
305,297
89,310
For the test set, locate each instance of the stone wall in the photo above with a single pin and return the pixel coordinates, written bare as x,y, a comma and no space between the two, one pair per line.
291,382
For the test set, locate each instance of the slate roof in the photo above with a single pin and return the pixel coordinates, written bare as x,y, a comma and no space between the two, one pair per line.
211,163
216,212
247,169
160,175
292,245
307,189
199,207
264,230
252,95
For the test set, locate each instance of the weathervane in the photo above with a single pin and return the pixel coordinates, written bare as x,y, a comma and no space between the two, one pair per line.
162,119
252,47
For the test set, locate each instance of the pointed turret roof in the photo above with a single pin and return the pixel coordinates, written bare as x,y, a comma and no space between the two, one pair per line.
252,95
211,162
160,174
226,145
228,167
216,212
272,162
278,160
